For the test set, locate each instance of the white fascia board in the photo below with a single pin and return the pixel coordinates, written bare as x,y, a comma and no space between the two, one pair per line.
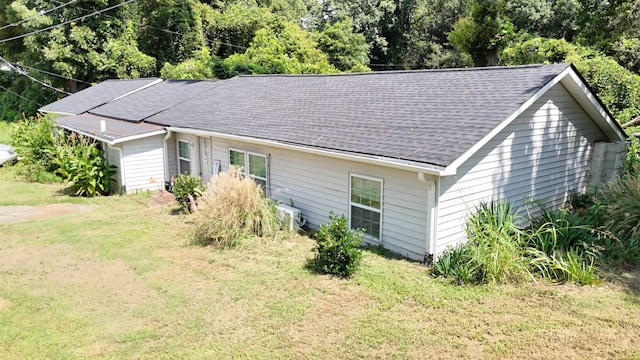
598,113
133,91
56,112
452,168
382,161
138,136
84,133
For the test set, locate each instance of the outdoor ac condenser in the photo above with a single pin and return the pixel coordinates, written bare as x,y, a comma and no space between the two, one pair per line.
290,217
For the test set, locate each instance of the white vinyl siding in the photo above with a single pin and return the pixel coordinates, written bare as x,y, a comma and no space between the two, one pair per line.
541,156
143,162
318,184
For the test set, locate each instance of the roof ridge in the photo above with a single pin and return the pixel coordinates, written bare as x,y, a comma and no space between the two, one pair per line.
484,68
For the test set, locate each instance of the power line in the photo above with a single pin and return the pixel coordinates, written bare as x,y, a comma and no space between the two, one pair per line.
39,13
47,72
182,34
20,96
23,73
67,22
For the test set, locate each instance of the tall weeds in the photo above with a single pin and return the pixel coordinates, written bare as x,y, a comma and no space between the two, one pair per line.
231,209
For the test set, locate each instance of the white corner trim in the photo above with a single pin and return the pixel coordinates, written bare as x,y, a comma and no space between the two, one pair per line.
452,169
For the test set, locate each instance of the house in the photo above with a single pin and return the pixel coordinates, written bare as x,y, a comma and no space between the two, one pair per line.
406,155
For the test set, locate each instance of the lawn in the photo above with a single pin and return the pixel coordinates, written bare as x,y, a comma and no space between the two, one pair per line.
122,281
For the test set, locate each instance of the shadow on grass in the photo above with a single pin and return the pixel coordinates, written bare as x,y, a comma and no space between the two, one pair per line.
387,254
627,277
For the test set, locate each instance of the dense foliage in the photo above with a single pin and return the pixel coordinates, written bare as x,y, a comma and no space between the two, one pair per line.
337,248
35,139
571,244
186,185
82,164
233,208
196,39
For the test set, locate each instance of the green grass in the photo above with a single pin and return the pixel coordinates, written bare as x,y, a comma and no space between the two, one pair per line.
121,281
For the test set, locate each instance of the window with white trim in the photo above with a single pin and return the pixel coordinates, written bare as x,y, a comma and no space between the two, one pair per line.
365,205
184,157
251,164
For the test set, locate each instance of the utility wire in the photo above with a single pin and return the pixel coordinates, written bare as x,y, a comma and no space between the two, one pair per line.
23,73
66,22
39,13
20,96
46,72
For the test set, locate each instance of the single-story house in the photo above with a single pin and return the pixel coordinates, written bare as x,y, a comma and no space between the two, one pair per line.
406,155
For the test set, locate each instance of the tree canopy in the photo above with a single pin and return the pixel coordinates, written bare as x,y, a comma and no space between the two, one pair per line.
55,47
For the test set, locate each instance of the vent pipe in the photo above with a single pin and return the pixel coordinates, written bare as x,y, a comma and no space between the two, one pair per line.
103,126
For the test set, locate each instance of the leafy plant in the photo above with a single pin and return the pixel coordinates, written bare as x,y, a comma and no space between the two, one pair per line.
35,140
81,163
231,209
495,245
632,161
185,185
337,248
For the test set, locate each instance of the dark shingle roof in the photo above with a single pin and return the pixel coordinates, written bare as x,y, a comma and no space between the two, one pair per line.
95,95
114,129
430,116
151,100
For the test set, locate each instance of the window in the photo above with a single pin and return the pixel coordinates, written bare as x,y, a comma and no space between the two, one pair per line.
366,205
252,165
184,157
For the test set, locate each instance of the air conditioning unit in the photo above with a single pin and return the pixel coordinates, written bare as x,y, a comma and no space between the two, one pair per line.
290,217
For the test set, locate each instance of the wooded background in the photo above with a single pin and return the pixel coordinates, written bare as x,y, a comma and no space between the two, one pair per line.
49,48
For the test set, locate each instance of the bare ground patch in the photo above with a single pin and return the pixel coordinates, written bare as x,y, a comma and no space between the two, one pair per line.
13,214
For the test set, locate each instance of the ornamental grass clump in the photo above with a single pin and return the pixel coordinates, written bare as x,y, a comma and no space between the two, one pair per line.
233,208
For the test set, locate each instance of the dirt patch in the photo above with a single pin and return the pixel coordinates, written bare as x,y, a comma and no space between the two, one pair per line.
161,198
13,214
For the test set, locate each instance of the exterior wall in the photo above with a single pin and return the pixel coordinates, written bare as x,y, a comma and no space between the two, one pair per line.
172,157
113,158
542,155
144,164
607,161
317,185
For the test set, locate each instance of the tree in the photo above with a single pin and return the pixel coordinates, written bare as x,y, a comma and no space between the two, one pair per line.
483,32
617,87
346,51
288,51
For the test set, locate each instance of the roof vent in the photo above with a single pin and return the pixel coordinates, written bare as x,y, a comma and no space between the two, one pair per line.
103,126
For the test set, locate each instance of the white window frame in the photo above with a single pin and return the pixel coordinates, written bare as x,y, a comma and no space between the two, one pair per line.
183,158
247,166
365,207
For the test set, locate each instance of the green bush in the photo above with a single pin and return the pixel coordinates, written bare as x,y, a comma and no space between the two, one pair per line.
337,248
232,209
185,185
632,161
35,140
621,201
82,164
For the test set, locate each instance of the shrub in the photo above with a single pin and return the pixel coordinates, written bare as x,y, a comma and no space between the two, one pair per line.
632,161
231,209
185,185
35,140
337,248
81,163
621,201
495,244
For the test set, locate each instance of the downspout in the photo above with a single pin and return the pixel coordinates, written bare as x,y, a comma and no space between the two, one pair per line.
121,167
165,148
431,218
